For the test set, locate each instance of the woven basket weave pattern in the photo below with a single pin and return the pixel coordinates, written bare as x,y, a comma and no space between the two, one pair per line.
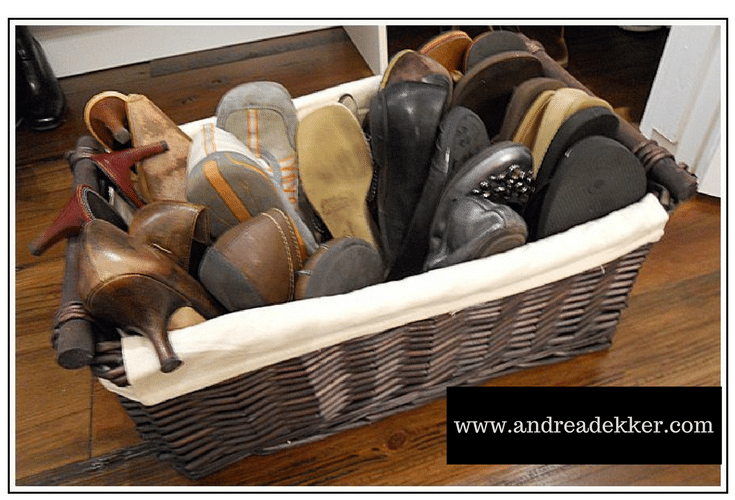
363,380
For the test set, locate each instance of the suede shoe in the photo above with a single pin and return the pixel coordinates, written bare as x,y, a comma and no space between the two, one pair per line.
235,185
160,177
263,117
521,100
448,49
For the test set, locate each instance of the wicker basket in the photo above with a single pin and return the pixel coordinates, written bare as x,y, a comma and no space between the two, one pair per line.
329,386
360,381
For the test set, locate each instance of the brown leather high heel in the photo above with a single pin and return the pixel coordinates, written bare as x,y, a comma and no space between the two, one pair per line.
178,228
85,205
137,287
106,118
117,167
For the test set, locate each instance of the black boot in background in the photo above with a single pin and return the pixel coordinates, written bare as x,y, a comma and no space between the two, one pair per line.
39,99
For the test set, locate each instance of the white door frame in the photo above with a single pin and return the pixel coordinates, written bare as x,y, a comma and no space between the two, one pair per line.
684,112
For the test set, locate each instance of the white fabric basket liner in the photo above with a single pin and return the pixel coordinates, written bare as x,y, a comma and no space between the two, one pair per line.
240,342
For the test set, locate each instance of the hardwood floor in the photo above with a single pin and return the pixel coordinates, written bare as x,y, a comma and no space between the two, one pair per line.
70,431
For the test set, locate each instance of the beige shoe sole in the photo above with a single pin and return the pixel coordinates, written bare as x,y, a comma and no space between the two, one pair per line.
336,170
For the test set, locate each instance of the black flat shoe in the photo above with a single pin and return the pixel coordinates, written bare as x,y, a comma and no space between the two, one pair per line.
404,123
597,175
461,136
40,101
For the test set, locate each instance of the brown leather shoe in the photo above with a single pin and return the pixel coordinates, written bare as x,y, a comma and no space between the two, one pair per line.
254,263
106,118
179,228
448,49
136,287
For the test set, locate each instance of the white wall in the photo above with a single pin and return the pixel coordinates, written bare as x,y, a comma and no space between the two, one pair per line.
77,49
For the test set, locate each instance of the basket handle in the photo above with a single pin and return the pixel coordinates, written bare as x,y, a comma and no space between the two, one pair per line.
73,336
660,165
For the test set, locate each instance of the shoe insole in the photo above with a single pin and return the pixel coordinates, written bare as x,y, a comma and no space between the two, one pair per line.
336,170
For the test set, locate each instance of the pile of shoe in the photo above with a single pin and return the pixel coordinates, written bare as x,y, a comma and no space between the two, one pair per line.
477,152
188,227
467,150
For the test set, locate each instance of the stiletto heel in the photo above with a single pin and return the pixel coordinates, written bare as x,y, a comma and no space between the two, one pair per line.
83,207
136,287
117,167
106,118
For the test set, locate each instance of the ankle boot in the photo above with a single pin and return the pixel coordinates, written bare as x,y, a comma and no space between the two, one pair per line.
41,101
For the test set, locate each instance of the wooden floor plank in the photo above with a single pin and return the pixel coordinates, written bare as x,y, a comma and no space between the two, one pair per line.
111,428
52,414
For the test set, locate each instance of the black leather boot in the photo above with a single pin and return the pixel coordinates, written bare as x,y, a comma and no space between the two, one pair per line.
39,99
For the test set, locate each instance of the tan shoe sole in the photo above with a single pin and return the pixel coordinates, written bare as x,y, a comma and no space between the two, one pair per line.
107,109
336,170
162,177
